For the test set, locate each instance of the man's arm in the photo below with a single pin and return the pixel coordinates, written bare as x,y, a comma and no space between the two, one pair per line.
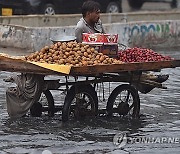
78,34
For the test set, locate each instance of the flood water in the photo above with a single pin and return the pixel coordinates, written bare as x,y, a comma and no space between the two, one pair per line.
159,122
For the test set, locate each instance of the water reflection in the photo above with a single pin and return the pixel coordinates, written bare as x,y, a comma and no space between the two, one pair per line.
41,133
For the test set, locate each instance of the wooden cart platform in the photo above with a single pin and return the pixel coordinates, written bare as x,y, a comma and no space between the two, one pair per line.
117,68
19,65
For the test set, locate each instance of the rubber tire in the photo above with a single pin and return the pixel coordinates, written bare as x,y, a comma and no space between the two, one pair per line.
51,106
71,95
50,6
135,4
37,108
116,92
119,9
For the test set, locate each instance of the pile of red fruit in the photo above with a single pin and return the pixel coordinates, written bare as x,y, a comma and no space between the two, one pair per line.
141,55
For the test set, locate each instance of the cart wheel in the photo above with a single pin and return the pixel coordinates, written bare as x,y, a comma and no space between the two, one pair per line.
45,103
124,100
80,101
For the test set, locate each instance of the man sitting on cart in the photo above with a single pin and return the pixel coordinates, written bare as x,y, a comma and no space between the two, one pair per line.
90,22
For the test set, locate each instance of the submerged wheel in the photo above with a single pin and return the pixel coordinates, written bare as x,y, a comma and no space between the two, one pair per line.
124,100
45,103
80,101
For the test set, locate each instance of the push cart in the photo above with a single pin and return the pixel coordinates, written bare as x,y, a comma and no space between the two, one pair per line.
81,98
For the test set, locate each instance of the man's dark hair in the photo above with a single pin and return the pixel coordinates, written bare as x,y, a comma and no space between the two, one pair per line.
90,6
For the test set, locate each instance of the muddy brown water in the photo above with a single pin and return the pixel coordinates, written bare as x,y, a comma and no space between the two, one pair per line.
159,122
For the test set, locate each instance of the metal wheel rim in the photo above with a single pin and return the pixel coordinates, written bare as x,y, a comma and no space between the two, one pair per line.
49,11
43,100
113,9
121,98
90,104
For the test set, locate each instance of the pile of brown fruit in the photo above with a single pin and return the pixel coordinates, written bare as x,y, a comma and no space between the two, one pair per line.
71,53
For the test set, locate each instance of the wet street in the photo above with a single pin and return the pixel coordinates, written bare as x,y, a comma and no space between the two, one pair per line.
159,122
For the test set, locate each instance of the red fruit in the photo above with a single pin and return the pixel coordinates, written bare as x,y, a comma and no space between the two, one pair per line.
141,55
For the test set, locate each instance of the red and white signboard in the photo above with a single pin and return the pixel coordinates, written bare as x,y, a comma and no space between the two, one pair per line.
110,39
100,39
94,39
